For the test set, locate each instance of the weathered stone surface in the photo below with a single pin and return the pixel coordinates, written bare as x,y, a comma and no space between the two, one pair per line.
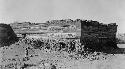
92,33
7,35
98,36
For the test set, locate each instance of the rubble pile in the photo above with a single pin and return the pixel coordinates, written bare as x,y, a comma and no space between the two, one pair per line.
56,44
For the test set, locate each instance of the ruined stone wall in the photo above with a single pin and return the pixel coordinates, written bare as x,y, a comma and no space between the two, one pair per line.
92,33
7,35
97,35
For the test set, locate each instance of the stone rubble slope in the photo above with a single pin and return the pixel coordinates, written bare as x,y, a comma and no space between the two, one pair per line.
14,56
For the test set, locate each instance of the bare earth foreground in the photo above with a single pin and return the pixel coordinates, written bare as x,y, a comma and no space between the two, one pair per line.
14,57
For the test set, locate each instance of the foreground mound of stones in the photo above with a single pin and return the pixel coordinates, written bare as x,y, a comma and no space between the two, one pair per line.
7,35
23,56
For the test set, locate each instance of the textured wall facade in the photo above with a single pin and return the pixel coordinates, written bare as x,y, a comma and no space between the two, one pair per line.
99,36
7,35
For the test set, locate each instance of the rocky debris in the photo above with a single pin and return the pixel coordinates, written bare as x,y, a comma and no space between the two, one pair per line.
7,35
94,35
56,54
52,60
43,65
47,66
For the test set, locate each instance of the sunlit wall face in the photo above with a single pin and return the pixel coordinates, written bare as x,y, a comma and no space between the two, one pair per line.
106,11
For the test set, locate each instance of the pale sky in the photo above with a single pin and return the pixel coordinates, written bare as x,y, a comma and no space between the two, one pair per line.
105,11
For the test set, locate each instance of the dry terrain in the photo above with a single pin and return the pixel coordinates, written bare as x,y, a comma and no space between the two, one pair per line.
14,57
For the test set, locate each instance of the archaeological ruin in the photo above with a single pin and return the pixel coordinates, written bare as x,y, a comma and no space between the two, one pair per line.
93,36
98,36
7,35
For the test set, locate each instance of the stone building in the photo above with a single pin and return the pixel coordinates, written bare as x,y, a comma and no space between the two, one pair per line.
92,34
7,35
98,36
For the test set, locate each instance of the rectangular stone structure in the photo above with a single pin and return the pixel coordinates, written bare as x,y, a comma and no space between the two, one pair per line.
96,35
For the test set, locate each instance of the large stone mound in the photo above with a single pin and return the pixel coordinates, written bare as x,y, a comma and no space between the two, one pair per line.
7,35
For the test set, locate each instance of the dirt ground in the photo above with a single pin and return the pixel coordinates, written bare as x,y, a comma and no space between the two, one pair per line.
14,57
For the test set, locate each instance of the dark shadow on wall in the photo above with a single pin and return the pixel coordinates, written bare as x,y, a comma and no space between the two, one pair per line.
99,37
7,35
